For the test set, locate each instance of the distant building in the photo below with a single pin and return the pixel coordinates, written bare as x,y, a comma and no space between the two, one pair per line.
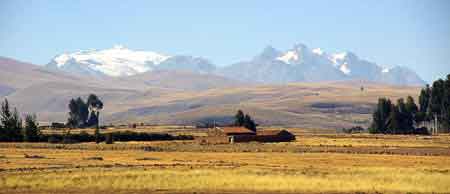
42,125
242,134
230,131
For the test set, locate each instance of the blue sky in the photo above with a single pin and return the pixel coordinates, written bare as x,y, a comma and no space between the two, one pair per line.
411,33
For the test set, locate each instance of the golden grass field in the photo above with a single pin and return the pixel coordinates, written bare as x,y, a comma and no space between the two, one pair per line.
316,162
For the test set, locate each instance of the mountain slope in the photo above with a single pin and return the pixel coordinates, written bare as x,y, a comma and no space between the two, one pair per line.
16,74
120,61
36,89
183,80
313,105
169,97
298,64
301,64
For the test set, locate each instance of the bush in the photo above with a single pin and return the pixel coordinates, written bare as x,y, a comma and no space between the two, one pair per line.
97,136
109,138
84,137
115,136
421,131
51,138
356,129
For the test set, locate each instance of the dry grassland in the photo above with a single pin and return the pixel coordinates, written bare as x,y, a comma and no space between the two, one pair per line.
314,163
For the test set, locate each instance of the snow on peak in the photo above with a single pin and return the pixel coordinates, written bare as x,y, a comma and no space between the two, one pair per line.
61,59
317,51
344,68
335,58
117,61
288,57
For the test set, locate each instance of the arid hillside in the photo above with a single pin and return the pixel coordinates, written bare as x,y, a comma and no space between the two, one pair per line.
310,105
174,97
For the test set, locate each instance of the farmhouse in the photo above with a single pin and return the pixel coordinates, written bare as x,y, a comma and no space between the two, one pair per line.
242,134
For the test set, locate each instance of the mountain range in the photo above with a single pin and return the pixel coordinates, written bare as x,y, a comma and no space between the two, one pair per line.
298,87
271,66
120,61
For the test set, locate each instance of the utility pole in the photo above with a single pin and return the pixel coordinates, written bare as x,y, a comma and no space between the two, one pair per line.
436,131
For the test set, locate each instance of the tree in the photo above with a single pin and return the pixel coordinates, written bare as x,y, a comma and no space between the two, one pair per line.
244,120
411,106
83,112
93,119
239,118
249,123
437,93
95,105
436,106
73,119
424,98
11,123
445,107
413,110
405,117
5,114
380,116
78,113
389,118
393,121
31,131
424,103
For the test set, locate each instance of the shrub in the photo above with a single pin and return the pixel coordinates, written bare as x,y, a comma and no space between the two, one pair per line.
421,131
115,136
84,137
109,138
97,136
356,129
51,138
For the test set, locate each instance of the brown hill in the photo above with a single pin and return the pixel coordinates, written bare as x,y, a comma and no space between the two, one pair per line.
174,97
311,105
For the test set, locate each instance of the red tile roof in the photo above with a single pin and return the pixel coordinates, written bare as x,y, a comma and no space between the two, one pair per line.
236,130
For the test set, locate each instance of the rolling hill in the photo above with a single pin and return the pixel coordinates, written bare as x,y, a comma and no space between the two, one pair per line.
184,97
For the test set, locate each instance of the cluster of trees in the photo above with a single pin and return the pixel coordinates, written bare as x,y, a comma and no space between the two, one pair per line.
244,120
404,117
435,103
12,128
84,114
391,118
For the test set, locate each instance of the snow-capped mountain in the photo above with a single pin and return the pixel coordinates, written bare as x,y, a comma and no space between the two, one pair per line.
304,64
297,64
121,61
